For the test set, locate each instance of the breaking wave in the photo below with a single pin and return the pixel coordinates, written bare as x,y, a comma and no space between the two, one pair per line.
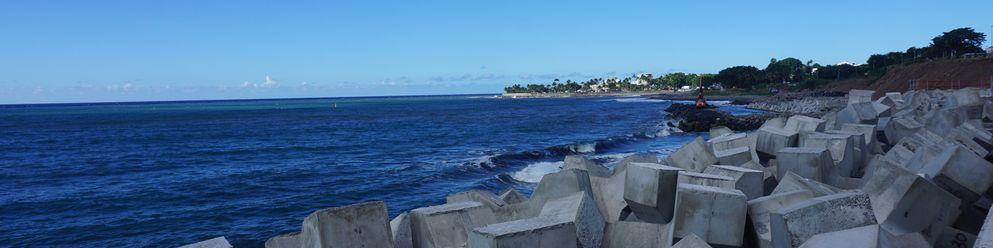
533,172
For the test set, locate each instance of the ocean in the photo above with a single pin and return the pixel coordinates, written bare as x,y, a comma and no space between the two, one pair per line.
164,174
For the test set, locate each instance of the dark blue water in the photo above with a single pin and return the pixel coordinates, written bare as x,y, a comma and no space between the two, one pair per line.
167,174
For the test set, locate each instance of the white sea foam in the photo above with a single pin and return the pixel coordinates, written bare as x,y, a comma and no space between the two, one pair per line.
533,172
589,147
639,99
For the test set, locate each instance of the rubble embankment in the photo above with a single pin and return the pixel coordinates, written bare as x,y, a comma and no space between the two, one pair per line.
904,170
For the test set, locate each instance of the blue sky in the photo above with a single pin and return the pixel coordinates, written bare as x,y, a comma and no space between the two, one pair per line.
86,51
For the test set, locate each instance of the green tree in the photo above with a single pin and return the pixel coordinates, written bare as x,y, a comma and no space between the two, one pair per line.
956,42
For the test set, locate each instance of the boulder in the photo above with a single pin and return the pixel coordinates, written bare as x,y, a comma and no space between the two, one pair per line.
904,202
218,242
583,163
448,225
706,179
960,172
400,228
749,181
759,209
715,214
691,241
794,224
649,190
694,156
770,139
627,234
809,162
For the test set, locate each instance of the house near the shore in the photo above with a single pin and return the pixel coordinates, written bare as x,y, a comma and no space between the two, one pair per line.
643,79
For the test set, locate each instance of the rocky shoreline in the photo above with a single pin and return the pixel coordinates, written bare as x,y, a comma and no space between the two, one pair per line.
904,170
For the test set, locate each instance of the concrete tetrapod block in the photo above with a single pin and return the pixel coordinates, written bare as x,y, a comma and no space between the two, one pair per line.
859,96
609,197
627,234
735,156
770,140
286,240
706,179
650,190
541,231
954,238
960,172
985,237
842,150
809,162
904,202
716,215
898,128
583,163
218,242
729,141
794,224
487,198
561,184
868,132
759,209
448,225
805,124
861,149
635,158
400,227
691,241
694,156
791,181
857,113
747,180
580,210
718,131
364,224
871,236
511,196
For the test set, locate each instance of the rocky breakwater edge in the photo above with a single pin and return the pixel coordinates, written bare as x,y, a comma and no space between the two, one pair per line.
904,170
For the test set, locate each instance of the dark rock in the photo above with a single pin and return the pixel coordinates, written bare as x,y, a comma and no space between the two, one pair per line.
702,119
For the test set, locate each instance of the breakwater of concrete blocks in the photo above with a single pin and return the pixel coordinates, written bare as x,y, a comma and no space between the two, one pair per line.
905,170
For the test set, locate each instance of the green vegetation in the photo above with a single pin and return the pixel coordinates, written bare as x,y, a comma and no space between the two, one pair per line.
788,73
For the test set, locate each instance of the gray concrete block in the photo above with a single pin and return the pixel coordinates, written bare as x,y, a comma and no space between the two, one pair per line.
904,202
286,240
791,181
531,232
809,162
718,131
898,128
960,172
954,238
857,113
649,190
580,210
842,151
729,141
716,215
759,209
770,140
608,193
805,124
363,224
749,181
448,225
871,236
859,96
400,228
474,195
735,156
706,179
627,234
694,156
561,184
582,163
794,224
634,158
218,242
691,241
511,196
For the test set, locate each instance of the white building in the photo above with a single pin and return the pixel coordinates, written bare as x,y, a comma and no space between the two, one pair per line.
643,79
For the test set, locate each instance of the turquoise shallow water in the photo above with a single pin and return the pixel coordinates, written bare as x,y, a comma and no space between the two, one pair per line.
171,173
